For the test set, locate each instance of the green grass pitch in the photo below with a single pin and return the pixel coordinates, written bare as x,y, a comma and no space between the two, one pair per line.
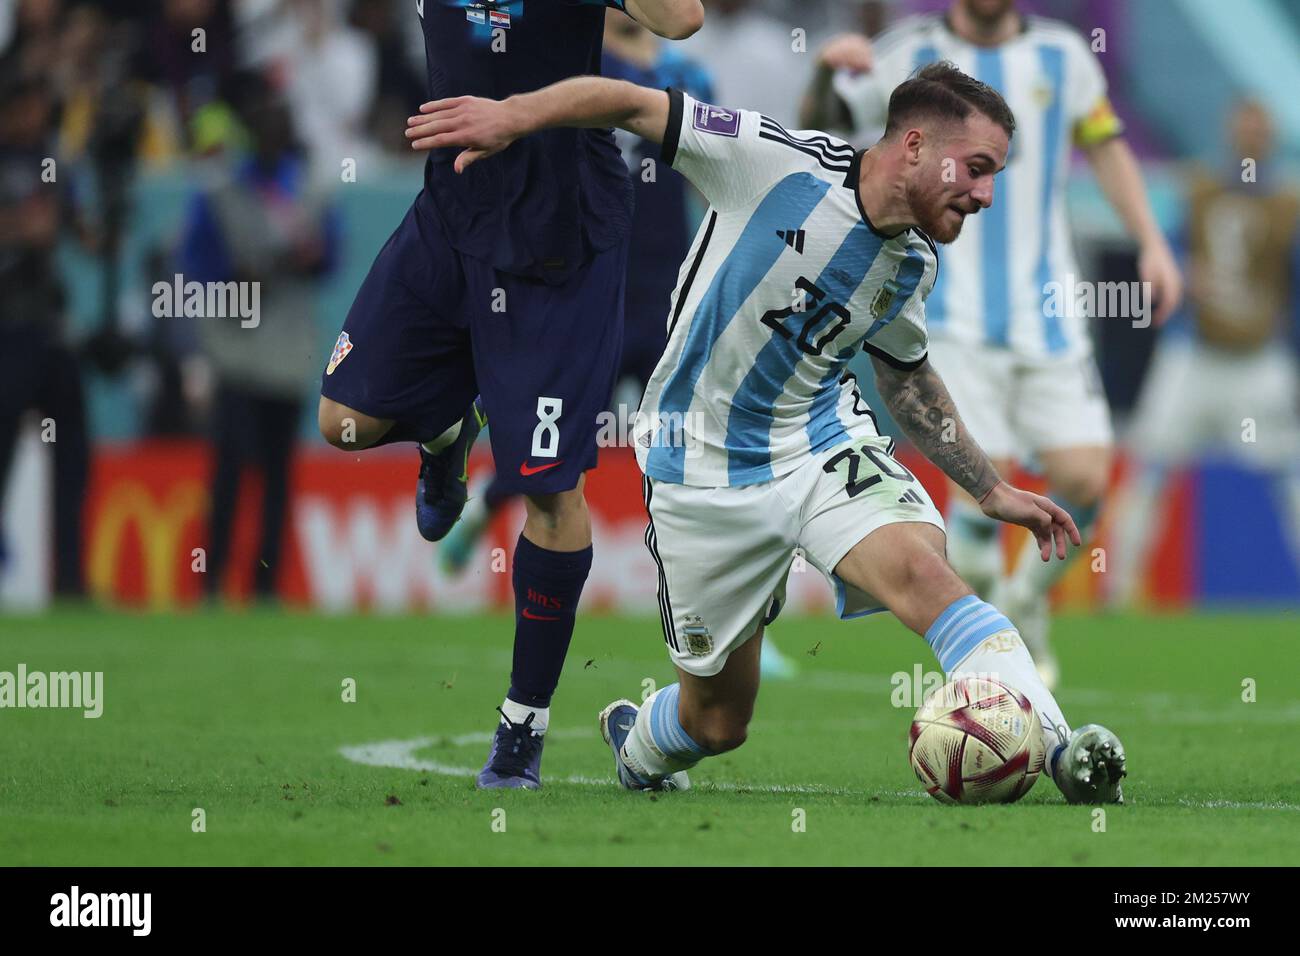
241,715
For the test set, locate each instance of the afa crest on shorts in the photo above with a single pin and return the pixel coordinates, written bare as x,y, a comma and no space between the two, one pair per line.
698,639
341,349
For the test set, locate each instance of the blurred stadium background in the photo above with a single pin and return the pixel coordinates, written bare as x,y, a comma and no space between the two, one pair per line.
174,434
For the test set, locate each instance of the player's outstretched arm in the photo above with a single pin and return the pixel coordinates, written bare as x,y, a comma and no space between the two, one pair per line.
671,19
924,410
483,127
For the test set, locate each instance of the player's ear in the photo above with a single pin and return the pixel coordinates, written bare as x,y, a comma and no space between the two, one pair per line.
914,140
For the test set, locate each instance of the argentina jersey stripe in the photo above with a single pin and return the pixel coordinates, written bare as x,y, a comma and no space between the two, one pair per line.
995,250
934,312
1052,59
824,428
749,425
786,205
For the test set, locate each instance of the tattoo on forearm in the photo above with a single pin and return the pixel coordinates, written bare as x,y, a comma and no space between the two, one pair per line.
920,403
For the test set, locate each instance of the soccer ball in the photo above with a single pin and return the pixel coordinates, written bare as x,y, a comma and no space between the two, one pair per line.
976,740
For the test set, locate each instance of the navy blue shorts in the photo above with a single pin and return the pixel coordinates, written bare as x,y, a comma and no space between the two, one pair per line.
431,328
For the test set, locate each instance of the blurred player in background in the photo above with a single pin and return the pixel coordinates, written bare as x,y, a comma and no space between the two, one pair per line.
1231,367
260,220
507,283
1024,377
38,369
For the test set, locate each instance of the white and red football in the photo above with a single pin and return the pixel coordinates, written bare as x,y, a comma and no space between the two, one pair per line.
976,740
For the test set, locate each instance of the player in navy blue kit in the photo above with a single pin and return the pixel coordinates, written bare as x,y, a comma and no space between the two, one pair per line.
660,238
505,283
662,228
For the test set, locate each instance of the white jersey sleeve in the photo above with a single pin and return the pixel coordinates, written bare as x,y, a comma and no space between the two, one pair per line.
904,342
729,155
1087,105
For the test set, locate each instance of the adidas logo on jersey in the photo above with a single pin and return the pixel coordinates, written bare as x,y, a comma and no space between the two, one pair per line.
793,238
911,498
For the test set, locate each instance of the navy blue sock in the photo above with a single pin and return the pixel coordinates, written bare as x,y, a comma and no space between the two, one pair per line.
547,587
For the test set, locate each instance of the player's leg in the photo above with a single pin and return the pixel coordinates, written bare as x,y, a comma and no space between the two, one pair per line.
61,397
681,724
975,539
1171,421
1259,393
401,369
545,356
983,389
1063,419
873,530
348,429
485,500
903,566
723,555
273,439
230,441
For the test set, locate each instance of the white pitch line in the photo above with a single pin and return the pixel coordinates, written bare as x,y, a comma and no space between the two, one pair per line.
400,755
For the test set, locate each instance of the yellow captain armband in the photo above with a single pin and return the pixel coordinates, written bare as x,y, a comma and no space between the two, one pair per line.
1099,125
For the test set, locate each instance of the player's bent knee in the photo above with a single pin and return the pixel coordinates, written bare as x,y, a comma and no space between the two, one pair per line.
926,571
346,428
1083,479
1087,489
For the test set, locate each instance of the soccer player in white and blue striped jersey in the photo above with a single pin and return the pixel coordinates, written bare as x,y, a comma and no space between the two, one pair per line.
754,440
1019,365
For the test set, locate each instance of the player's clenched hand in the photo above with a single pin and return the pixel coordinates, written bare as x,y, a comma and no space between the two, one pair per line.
1156,265
1050,523
483,127
848,51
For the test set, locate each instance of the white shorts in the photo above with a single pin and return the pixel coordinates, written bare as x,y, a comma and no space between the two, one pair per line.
724,553
1197,397
1016,407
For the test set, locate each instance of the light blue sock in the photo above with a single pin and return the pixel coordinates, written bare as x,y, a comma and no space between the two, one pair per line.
961,627
658,744
957,637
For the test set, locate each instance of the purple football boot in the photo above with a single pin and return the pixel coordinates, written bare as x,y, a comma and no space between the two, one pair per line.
515,761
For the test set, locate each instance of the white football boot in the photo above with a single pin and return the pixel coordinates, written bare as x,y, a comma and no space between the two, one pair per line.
1090,766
